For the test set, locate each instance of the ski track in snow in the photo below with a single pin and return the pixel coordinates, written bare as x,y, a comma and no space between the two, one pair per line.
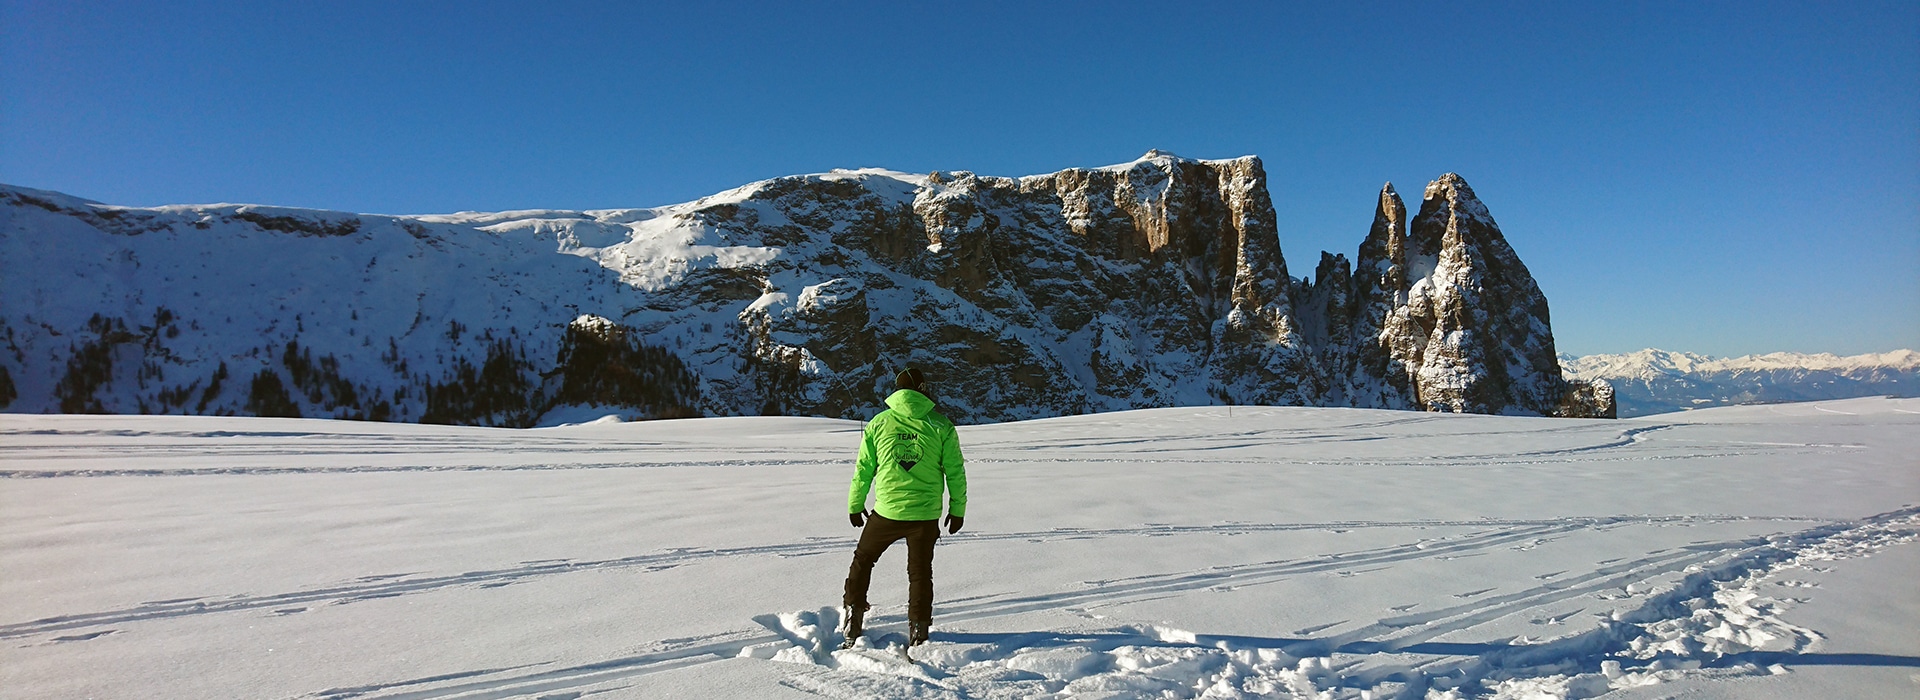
1640,617
1661,639
1398,634
648,455
390,585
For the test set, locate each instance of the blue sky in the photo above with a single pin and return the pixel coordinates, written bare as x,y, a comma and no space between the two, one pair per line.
1720,178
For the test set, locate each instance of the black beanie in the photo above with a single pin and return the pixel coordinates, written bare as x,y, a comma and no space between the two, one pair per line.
909,378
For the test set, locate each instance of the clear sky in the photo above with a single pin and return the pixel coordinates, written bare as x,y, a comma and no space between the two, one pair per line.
1720,178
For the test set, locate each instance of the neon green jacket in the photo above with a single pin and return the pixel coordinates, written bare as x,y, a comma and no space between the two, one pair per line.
909,456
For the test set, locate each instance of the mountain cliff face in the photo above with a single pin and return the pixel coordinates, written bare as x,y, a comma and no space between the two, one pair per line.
1446,318
1153,283
1657,381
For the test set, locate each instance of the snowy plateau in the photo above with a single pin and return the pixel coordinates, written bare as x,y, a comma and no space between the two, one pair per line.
1154,283
1657,381
1220,552
1185,479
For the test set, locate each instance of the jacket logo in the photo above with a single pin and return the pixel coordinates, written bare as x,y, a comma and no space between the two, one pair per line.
909,447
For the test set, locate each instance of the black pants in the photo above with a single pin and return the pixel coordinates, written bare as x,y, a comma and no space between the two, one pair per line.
879,534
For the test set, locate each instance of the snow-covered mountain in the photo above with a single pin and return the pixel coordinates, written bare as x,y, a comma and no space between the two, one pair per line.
1657,381
1158,282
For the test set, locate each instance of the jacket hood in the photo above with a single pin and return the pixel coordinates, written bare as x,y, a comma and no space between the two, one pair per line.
910,402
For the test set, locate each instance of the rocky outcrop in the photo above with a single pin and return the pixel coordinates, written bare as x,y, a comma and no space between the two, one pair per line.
1379,376
1153,283
1474,335
1159,282
1444,317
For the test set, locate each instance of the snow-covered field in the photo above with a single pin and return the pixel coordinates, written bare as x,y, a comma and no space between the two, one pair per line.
1756,551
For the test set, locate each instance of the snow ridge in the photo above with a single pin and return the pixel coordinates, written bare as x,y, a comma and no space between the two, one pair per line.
1658,381
1158,282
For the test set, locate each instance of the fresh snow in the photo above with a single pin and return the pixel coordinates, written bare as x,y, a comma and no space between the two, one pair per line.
1159,157
1657,381
1756,551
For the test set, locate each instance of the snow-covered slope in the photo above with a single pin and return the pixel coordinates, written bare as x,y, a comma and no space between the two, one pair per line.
1158,282
1742,552
1657,381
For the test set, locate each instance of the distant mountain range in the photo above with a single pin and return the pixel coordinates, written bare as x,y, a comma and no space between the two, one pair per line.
1657,381
1157,282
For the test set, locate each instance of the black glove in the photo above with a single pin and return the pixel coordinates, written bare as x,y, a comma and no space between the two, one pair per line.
857,519
954,523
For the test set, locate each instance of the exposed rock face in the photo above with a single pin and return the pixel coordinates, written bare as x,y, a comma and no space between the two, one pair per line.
1380,376
1153,283
1478,338
1446,318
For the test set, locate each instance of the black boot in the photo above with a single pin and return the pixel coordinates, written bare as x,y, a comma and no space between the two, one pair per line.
856,618
916,633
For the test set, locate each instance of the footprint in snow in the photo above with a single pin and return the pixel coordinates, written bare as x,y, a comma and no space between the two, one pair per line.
84,637
1470,594
369,596
171,601
1556,619
1317,628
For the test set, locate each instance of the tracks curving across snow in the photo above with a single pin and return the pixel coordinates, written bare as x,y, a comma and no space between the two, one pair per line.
390,585
1319,553
181,453
1712,620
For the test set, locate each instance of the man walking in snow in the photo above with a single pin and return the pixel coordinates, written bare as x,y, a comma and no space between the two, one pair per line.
909,458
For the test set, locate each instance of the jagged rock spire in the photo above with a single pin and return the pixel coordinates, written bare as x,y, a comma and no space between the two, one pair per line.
1377,379
1443,317
1488,345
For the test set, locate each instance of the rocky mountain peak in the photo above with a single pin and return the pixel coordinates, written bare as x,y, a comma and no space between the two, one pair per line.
1474,332
1157,282
1378,376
